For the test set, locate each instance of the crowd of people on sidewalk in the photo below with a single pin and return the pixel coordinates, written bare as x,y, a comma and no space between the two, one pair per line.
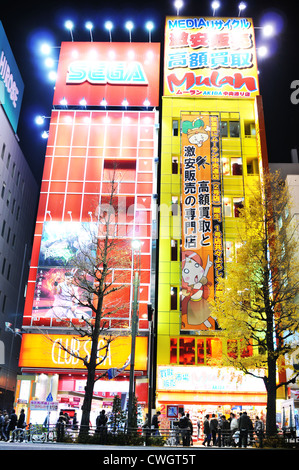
234,431
9,422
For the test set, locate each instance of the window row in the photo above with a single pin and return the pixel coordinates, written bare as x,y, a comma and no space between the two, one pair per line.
229,128
7,234
13,167
202,351
231,166
6,195
6,269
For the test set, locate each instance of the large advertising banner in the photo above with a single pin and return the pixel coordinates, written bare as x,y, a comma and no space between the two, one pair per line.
45,351
108,72
67,256
202,225
210,57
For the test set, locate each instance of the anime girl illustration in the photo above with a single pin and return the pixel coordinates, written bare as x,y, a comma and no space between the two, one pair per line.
195,292
196,132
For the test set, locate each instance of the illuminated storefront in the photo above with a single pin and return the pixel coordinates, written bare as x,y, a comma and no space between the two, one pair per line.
213,148
88,147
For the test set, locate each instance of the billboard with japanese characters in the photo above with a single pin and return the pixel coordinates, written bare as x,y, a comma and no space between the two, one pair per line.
210,57
202,224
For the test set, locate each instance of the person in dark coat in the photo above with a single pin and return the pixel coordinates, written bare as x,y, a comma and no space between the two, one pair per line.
206,431
12,424
245,425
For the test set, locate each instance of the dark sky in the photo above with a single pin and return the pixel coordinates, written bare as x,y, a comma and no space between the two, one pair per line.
28,24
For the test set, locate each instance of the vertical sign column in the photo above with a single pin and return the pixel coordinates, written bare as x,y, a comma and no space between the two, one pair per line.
202,244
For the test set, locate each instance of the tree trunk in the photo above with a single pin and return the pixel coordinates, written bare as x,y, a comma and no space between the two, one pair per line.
91,370
271,429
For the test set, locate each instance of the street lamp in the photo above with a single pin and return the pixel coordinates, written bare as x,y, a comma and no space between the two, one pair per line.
136,245
109,27
178,5
69,25
215,6
89,26
242,7
129,26
149,26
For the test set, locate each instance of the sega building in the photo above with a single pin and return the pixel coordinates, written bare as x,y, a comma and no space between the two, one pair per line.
213,149
114,130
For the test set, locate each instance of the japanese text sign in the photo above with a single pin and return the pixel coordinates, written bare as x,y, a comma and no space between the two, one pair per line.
112,72
210,57
202,227
11,83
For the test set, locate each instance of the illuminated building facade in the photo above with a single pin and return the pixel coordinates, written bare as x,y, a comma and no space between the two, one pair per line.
87,145
213,147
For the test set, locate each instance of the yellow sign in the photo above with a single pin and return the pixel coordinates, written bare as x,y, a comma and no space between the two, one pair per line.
210,57
40,351
202,225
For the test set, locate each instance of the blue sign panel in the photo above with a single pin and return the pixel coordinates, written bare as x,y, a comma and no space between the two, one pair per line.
11,83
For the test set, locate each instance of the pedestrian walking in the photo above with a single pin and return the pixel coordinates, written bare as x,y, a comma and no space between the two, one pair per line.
2,436
60,427
214,429
155,423
12,425
259,430
21,424
101,423
245,425
225,432
233,428
206,431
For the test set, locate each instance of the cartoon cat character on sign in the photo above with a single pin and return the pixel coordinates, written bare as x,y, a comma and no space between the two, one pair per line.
195,292
197,134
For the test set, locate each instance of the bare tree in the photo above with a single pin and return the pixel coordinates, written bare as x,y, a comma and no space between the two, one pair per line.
98,271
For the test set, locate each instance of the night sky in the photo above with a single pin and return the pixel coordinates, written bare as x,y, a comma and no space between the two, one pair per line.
29,24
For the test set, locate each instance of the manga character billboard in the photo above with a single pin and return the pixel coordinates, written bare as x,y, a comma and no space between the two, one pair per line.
202,229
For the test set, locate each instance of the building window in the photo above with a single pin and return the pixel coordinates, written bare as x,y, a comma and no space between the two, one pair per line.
175,205
195,351
173,350
175,165
3,151
230,129
249,128
252,166
232,166
175,127
173,298
3,189
174,250
3,228
187,351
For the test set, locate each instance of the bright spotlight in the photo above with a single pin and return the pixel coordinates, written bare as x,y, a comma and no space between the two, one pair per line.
49,62
178,5
45,49
149,26
109,26
129,26
262,51
69,25
39,120
268,30
52,75
242,7
215,5
89,26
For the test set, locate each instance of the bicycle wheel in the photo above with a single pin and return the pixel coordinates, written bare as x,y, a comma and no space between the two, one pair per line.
38,437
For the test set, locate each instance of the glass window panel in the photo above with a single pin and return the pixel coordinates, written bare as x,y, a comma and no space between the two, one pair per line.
187,351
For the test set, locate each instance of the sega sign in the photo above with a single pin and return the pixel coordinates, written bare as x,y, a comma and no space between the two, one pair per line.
111,71
11,83
106,72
